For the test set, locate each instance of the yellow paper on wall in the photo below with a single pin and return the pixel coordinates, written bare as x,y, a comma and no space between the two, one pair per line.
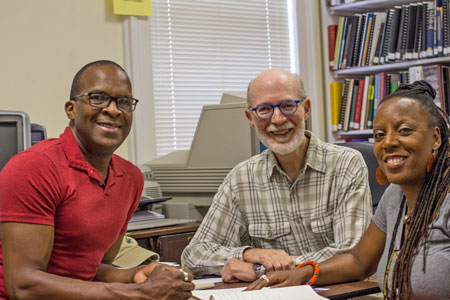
133,7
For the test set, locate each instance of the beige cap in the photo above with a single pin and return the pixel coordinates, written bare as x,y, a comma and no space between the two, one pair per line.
132,255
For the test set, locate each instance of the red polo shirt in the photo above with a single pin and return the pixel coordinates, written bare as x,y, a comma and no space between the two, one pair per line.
51,184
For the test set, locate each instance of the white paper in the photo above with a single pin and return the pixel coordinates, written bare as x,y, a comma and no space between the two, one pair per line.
301,292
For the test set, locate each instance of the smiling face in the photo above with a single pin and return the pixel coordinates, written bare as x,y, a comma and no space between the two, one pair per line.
281,134
100,131
404,139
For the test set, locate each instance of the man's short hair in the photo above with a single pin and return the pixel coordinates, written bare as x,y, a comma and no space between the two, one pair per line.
300,88
76,83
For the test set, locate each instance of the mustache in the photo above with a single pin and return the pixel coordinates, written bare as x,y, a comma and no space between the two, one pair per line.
285,126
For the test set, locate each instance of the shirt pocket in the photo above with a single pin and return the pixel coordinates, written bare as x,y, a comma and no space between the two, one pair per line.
268,235
323,226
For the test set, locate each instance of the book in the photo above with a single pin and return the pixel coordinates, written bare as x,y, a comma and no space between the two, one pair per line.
380,19
348,58
298,292
338,43
430,29
345,41
345,92
438,38
411,32
419,31
348,106
401,40
445,26
332,29
394,34
446,87
358,40
363,122
358,106
365,39
336,88
433,75
415,73
351,116
387,36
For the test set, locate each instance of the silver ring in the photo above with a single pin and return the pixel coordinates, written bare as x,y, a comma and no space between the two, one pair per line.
265,278
186,276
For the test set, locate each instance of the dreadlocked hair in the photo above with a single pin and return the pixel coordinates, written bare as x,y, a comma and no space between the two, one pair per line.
433,192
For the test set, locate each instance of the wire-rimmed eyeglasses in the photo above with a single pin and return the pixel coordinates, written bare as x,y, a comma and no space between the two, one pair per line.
102,100
287,107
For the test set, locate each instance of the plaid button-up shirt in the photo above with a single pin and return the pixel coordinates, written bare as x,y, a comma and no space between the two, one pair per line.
322,213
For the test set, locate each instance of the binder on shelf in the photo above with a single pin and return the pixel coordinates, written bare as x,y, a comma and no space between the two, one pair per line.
438,50
387,36
351,42
375,38
358,105
332,29
348,105
345,92
351,116
394,36
345,43
430,29
336,89
412,32
359,37
433,75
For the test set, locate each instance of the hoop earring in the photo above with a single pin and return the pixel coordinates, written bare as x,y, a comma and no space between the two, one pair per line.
381,177
430,162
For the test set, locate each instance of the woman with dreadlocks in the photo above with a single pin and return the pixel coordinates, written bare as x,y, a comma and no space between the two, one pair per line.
408,240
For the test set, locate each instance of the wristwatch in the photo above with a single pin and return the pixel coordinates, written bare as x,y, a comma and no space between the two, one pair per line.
259,270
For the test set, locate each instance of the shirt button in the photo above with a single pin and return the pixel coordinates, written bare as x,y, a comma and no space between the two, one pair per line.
91,171
297,220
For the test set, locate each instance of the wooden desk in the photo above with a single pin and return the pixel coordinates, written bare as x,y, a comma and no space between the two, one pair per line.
336,291
168,241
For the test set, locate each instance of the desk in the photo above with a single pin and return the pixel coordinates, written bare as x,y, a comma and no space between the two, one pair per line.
168,241
336,291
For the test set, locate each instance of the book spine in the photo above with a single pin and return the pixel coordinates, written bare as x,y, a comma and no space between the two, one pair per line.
358,108
430,29
361,25
336,88
438,49
332,29
401,40
394,36
348,106
346,44
343,109
445,29
386,41
338,43
353,106
362,123
419,32
412,32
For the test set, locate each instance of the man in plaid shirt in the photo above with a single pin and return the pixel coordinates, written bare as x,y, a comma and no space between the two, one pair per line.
301,199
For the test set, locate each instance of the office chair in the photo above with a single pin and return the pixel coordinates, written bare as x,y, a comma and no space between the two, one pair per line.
366,149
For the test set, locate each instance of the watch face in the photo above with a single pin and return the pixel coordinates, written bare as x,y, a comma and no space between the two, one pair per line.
259,270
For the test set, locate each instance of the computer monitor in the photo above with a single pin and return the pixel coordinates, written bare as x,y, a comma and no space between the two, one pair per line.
15,134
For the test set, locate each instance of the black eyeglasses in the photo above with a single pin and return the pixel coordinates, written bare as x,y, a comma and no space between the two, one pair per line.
102,100
287,107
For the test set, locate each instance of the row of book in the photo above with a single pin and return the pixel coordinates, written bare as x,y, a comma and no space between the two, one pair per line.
407,32
354,102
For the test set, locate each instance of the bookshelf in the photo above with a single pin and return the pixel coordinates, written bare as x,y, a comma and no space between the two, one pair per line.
331,15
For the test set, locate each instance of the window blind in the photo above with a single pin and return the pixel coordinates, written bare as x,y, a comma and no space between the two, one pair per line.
202,48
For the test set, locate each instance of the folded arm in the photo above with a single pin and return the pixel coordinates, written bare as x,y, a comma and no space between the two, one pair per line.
27,250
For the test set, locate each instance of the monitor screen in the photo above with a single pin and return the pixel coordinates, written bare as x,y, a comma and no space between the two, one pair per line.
15,134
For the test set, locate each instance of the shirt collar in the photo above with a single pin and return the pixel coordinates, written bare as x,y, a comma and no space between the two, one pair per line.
315,156
76,160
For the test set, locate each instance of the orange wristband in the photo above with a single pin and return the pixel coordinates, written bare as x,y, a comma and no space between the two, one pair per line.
316,270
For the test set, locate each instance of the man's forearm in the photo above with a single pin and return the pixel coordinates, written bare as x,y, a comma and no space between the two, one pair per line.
108,273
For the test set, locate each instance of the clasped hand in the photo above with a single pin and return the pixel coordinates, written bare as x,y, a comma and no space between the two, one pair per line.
237,270
160,281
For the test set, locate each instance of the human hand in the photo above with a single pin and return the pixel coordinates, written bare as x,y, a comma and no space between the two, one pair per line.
281,278
272,260
142,274
166,282
237,270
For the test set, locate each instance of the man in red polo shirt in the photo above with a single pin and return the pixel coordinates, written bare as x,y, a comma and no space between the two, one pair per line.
65,204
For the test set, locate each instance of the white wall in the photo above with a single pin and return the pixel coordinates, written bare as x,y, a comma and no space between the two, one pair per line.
43,44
